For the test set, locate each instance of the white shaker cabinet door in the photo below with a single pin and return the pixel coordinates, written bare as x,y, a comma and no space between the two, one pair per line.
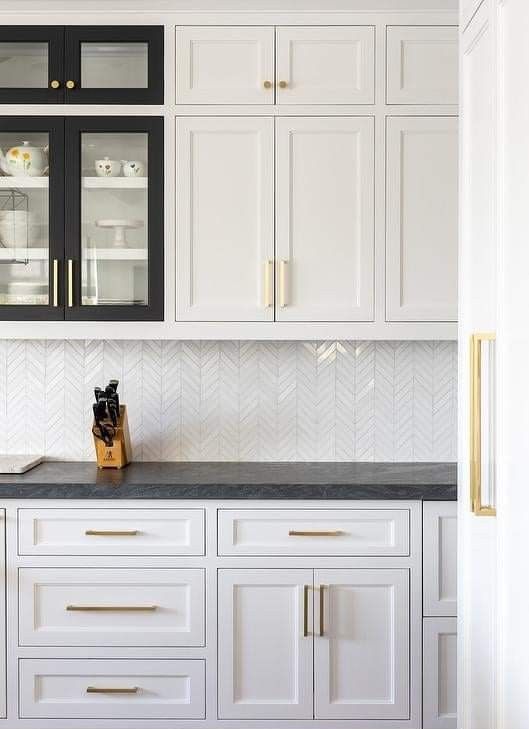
224,65
265,644
324,219
421,219
440,673
3,636
361,644
225,225
325,65
440,558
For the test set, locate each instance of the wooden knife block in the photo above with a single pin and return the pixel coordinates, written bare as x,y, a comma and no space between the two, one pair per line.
118,454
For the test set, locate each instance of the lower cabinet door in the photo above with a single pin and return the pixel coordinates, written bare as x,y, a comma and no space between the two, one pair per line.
439,673
57,688
361,644
265,644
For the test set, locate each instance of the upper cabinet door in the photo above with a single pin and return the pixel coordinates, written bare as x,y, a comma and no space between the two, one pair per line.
225,225
114,64
422,65
361,644
224,65
325,218
114,218
421,219
325,65
31,63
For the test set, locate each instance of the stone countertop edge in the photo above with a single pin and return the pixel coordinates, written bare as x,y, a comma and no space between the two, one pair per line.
235,480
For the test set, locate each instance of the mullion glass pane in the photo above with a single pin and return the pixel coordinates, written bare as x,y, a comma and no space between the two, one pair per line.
114,65
23,65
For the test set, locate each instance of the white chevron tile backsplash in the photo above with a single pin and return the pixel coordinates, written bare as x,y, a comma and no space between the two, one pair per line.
281,401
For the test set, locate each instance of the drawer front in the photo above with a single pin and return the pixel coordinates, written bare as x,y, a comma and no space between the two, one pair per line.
111,531
111,607
348,532
440,558
107,689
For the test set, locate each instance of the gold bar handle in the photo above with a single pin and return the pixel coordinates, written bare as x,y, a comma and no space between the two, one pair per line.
268,283
322,606
306,611
96,690
283,284
112,608
111,533
55,283
295,533
70,282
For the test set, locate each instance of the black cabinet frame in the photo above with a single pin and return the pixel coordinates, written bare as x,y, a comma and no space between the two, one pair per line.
54,37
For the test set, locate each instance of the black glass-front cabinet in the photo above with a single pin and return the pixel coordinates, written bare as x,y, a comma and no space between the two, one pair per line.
81,218
81,64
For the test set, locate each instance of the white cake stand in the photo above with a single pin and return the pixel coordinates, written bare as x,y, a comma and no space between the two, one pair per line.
120,227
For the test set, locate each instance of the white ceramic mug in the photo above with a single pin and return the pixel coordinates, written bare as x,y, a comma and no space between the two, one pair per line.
133,168
107,167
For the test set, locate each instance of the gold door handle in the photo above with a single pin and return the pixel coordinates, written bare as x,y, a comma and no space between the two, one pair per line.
111,533
55,283
267,84
70,84
55,84
102,690
283,84
112,608
283,283
268,284
70,282
306,610
295,533
322,606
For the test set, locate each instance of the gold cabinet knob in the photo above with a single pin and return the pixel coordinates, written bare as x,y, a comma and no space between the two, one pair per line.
267,84
283,84
70,84
55,84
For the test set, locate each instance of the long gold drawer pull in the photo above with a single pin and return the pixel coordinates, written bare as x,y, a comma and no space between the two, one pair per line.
112,608
70,282
268,284
111,533
103,690
283,296
305,611
55,294
322,604
294,533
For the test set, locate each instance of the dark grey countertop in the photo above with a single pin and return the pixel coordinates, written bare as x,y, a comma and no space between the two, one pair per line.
209,480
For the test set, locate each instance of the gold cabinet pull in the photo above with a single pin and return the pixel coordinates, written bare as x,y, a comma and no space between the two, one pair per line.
70,84
267,84
283,283
283,84
55,84
268,284
104,690
295,533
111,608
322,605
306,611
111,533
55,283
70,282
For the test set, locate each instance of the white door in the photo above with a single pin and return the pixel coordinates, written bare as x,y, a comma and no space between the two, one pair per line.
224,65
421,219
225,226
477,535
325,65
324,219
362,644
265,644
439,673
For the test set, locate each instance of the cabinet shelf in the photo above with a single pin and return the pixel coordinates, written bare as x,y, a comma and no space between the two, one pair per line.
24,182
91,254
121,183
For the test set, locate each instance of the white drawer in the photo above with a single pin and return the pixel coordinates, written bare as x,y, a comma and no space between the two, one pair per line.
111,531
348,532
111,607
75,689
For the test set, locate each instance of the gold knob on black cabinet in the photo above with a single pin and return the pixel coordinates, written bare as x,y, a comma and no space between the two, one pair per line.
70,84
55,84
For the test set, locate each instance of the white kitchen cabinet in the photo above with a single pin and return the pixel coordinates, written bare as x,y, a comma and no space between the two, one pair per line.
3,636
324,219
421,219
440,558
422,65
225,228
224,65
361,645
440,674
265,644
325,65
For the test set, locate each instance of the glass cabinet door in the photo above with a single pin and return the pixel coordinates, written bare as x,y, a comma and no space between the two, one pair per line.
31,217
114,218
114,64
31,63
